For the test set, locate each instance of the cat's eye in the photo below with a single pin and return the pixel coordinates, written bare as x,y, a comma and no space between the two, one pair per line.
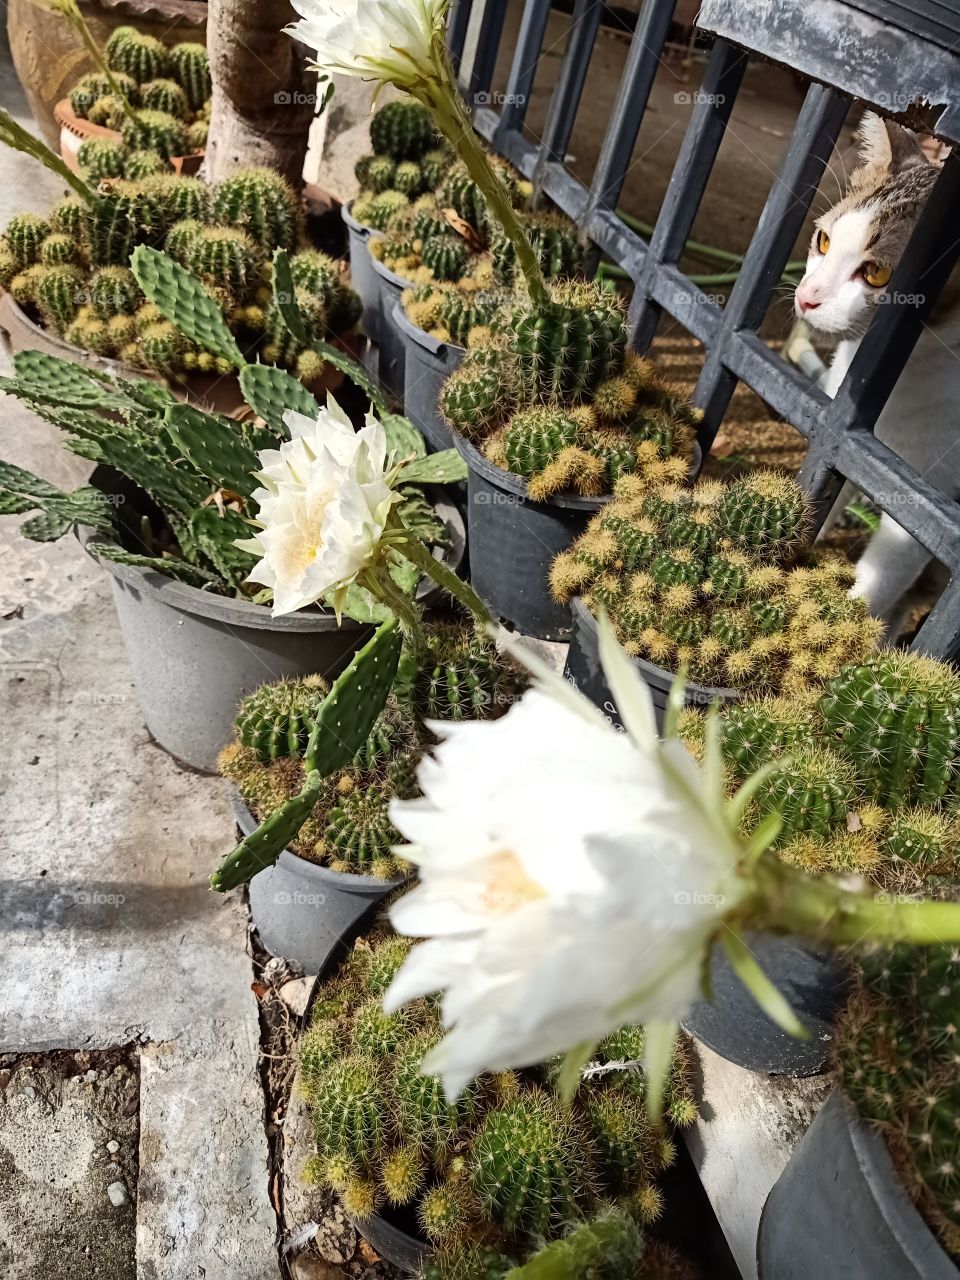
876,275
823,242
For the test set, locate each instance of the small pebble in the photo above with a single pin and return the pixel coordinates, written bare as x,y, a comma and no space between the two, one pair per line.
113,1146
29,1091
118,1194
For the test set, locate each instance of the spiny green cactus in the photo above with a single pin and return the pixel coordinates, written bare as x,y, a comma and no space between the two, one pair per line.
434,165
408,178
460,676
532,1164
197,135
609,1245
402,1173
166,96
480,391
554,240
757,731
100,158
261,203
90,88
109,112
163,346
139,56
60,293
379,174
114,291
925,840
451,312
349,1110
446,257
180,240
467,1260
190,67
276,719
359,834
897,717
25,234
58,249
422,1112
569,344
138,165
766,513
813,791
402,130
155,131
225,258
534,437
897,1050
71,217
178,197
379,210
444,1212
383,964
374,1033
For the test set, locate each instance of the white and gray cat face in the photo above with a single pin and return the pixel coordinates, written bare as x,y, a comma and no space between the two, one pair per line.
857,244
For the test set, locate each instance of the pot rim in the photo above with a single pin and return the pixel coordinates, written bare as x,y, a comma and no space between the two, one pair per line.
68,119
359,228
516,484
422,338
389,276
311,871
588,622
77,355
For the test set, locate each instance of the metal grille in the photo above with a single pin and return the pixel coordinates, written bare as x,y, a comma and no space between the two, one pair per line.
839,431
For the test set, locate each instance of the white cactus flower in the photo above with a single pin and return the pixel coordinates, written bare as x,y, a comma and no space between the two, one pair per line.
388,40
323,508
571,880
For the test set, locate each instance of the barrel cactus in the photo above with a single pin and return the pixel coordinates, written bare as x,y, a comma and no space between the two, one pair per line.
90,88
58,249
100,158
276,719
445,257
460,676
24,236
141,57
155,131
138,165
227,259
59,294
114,291
262,204
190,67
402,130
166,96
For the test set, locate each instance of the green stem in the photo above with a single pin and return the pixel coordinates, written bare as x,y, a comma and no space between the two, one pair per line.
443,100
71,11
383,588
15,136
415,551
793,902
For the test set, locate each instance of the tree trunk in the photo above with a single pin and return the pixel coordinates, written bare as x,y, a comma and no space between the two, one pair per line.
263,96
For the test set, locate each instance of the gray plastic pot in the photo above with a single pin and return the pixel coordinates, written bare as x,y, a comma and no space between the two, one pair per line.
363,278
583,669
840,1212
195,655
513,541
302,911
427,365
392,348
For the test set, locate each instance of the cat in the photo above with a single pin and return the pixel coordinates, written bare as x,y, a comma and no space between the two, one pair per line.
854,249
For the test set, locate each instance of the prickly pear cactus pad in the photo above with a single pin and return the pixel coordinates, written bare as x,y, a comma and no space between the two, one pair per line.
715,577
903,837
505,1168
551,393
897,1062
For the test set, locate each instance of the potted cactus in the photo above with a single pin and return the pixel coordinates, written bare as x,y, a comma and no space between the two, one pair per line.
341,862
861,780
406,160
198,634
879,1161
441,318
485,1181
717,580
145,109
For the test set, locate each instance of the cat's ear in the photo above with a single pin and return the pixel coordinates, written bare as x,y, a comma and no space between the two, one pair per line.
887,145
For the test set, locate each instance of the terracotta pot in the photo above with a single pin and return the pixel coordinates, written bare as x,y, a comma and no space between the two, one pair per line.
48,57
74,132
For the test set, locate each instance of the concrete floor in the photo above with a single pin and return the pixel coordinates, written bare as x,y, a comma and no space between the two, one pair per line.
109,934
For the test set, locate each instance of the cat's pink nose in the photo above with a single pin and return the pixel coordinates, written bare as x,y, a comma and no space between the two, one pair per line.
805,298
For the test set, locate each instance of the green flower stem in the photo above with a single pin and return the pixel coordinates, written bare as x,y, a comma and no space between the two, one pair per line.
71,12
15,136
383,588
789,901
441,98
418,554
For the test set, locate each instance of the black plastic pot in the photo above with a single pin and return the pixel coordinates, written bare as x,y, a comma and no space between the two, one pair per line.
513,542
303,911
732,1024
363,278
583,669
840,1212
427,365
390,341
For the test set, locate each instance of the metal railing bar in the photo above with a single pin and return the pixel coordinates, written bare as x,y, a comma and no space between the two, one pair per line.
533,26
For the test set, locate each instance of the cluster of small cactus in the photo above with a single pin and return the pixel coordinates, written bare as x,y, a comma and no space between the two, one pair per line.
225,236
502,1169
460,315
408,159
869,771
552,394
712,577
897,1057
157,98
460,676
